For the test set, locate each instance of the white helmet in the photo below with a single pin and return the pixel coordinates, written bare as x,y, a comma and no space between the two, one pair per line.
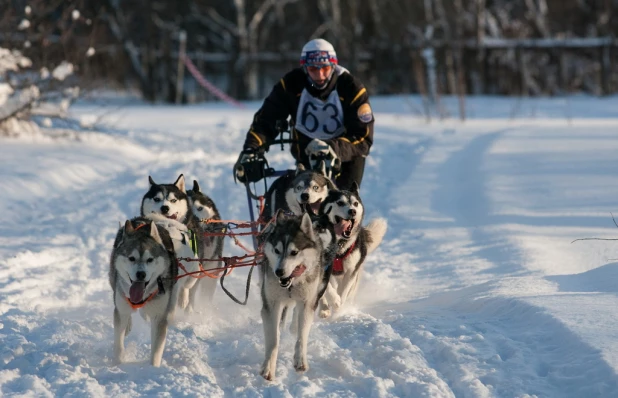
319,53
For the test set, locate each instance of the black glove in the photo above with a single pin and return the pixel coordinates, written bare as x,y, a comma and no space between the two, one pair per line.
249,165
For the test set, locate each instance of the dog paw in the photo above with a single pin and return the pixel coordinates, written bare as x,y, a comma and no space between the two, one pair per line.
267,373
118,355
324,313
301,366
336,304
183,298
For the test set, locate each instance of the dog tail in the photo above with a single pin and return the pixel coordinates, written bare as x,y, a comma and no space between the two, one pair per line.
376,229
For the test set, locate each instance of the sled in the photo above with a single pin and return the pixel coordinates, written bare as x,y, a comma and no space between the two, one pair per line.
258,170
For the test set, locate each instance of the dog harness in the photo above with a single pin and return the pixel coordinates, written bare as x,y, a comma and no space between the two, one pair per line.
142,303
338,263
160,290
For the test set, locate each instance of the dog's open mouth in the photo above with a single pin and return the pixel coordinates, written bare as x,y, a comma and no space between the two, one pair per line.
172,216
285,282
136,292
298,271
344,227
312,208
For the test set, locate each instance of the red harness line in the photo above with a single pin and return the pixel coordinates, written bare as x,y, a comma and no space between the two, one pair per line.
338,263
230,262
249,259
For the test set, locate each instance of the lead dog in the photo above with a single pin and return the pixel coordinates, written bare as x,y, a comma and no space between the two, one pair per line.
294,273
142,274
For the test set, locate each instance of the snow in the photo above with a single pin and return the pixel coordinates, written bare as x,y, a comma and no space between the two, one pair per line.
63,70
477,290
5,91
24,24
12,60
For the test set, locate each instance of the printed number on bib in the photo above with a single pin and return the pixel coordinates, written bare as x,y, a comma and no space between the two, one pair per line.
311,122
320,119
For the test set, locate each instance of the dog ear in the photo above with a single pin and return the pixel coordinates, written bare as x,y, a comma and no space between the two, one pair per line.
306,225
151,181
322,169
299,168
281,217
355,188
128,227
154,233
330,184
125,230
180,183
196,186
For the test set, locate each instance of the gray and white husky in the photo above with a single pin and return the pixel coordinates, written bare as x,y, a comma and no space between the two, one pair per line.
345,211
294,273
209,247
142,274
170,201
298,192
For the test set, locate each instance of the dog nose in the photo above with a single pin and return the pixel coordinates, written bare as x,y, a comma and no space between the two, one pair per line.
352,212
279,272
304,196
165,209
140,275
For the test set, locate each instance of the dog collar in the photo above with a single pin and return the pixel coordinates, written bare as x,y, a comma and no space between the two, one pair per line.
338,263
160,290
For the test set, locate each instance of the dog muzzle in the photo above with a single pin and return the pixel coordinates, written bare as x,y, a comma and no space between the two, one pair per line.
298,271
136,291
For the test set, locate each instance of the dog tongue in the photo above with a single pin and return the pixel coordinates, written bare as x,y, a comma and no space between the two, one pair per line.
136,292
315,207
341,226
298,271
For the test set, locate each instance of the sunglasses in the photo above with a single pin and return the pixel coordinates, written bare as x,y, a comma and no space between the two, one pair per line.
316,68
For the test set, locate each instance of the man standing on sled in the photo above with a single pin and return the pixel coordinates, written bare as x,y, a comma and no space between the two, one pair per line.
331,118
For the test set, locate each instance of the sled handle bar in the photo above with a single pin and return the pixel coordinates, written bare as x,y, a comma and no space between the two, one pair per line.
284,141
270,172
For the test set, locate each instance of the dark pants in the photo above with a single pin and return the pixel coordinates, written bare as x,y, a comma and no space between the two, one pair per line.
350,172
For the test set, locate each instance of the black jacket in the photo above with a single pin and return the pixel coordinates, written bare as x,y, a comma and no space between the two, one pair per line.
284,99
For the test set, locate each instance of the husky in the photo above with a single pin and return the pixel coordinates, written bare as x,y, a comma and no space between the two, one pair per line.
345,211
293,273
307,191
170,201
209,247
297,191
142,274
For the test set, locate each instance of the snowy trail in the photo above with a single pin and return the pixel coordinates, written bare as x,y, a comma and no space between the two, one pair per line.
475,292
76,256
468,352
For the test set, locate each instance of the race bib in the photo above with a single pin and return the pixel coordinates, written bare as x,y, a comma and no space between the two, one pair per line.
320,119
